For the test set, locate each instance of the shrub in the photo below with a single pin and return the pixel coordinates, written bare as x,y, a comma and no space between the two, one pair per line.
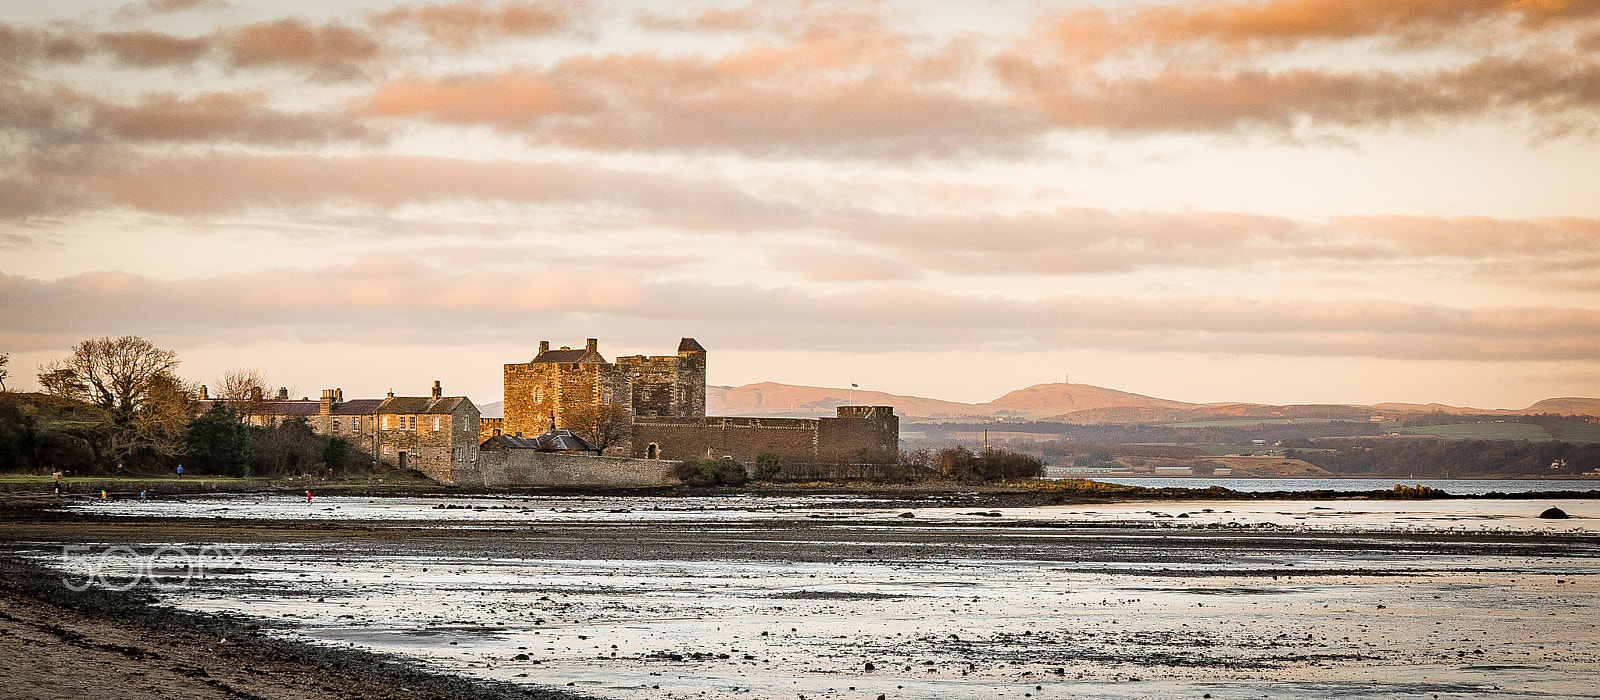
768,465
960,464
707,472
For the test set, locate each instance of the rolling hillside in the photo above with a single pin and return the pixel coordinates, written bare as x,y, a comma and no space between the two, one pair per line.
1071,403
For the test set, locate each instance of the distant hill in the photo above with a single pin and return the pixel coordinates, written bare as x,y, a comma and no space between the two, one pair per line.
1070,403
773,399
1042,400
1568,405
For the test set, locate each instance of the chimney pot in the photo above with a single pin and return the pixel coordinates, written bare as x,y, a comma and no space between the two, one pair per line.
391,392
437,391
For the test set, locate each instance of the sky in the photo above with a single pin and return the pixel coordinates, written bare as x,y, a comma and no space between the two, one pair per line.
1278,201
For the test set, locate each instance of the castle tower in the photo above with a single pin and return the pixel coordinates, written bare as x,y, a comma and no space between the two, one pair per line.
691,380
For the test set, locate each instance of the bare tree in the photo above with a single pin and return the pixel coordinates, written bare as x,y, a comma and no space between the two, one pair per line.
4,360
131,381
239,388
604,425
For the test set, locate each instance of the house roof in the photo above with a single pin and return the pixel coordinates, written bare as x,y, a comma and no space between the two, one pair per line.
569,356
421,404
689,345
558,440
357,407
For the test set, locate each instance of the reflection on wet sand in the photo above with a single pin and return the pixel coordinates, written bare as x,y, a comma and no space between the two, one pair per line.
737,597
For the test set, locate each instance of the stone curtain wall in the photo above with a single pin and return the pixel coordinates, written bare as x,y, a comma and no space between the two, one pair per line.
740,438
858,433
855,434
516,467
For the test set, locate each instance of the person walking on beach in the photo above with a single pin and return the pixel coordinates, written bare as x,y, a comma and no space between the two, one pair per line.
102,494
308,498
119,470
58,490
141,496
180,471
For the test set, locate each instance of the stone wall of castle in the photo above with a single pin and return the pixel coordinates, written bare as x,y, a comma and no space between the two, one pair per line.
855,433
859,434
743,439
521,467
571,392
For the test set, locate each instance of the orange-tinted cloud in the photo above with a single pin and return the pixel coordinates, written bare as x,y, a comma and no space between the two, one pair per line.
377,298
147,49
466,25
220,117
334,50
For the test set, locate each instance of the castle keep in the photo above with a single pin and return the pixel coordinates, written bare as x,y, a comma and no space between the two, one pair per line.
655,408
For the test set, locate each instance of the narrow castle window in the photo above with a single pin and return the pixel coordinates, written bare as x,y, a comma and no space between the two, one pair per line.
606,400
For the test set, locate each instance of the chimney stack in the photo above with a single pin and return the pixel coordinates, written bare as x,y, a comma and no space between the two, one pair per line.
437,391
338,395
204,395
255,394
544,347
592,345
283,393
326,406
391,392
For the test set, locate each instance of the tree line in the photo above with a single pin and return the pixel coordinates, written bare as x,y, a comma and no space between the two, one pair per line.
119,402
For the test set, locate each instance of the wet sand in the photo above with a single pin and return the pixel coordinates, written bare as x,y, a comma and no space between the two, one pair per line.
796,600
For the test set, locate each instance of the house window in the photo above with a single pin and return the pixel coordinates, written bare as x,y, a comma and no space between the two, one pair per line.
538,395
355,424
386,449
336,425
458,454
411,423
386,423
436,424
606,400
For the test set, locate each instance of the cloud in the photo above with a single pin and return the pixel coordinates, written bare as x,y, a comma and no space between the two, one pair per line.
855,243
64,125
138,10
221,182
467,25
402,299
221,117
834,265
147,49
333,50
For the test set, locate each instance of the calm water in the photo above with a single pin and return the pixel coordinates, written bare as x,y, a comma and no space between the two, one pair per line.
1454,486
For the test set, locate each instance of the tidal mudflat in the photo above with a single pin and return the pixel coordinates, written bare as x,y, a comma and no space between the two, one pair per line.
839,598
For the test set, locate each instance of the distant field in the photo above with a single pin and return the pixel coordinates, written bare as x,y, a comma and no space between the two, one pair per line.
1219,450
1482,431
1577,431
1250,421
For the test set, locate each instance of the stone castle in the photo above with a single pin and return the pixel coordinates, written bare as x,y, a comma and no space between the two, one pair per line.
655,408
642,414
